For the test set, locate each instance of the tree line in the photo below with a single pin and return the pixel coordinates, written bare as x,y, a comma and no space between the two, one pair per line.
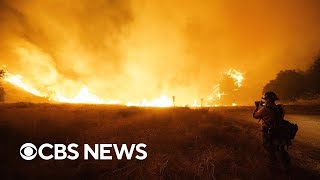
291,85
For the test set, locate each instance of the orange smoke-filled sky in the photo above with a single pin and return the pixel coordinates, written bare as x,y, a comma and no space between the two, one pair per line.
129,50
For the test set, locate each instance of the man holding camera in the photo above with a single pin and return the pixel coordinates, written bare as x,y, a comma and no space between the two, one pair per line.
271,114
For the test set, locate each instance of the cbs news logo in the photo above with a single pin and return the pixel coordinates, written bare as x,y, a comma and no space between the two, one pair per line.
29,151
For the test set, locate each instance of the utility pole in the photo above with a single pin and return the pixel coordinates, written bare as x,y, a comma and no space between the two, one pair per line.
174,101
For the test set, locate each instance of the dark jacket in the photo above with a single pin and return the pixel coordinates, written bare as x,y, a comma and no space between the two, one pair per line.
269,114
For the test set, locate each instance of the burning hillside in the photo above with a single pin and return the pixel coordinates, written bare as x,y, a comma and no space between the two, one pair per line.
84,95
15,94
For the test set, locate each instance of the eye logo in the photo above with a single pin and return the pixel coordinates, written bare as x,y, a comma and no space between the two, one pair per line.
28,151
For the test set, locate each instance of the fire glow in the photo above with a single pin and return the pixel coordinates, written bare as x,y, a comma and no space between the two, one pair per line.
237,76
85,96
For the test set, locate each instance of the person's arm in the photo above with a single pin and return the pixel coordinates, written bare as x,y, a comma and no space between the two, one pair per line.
259,112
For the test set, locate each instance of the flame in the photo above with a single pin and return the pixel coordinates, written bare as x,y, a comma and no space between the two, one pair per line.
237,76
195,104
17,80
217,95
162,101
85,96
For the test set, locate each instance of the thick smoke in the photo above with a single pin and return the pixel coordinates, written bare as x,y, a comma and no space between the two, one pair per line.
129,50
65,42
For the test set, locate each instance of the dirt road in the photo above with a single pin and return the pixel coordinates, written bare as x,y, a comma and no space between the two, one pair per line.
309,128
309,125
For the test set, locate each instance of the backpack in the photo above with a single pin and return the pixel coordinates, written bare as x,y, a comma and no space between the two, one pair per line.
283,130
290,129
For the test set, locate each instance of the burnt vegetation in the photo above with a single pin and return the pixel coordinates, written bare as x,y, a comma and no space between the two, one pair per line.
292,85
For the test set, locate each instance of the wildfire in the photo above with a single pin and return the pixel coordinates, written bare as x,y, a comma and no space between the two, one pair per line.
163,101
85,96
236,75
17,80
217,93
195,104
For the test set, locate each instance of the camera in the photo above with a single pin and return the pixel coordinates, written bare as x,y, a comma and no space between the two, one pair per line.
259,103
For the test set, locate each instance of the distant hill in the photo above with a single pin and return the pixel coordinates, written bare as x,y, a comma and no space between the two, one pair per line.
15,94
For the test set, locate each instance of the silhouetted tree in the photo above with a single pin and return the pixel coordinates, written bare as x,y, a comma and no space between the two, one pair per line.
2,93
289,85
228,87
312,78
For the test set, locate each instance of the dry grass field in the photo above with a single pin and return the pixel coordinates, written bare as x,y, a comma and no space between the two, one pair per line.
182,143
